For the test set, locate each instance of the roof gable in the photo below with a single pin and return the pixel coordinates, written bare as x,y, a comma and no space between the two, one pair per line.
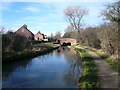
25,27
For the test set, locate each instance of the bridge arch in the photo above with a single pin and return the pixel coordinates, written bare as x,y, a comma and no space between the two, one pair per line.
69,41
66,43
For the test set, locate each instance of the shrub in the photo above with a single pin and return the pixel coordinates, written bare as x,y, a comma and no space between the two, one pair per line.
14,42
20,43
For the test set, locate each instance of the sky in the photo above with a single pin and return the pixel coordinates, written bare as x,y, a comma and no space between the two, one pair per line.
47,16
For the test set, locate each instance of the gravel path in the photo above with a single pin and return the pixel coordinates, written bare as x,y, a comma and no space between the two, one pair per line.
108,76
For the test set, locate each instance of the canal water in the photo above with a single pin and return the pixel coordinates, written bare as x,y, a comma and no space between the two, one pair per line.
59,69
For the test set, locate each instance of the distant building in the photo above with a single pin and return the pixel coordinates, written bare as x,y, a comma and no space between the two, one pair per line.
46,38
23,31
39,36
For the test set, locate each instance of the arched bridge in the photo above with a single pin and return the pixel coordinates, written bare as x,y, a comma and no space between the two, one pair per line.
66,41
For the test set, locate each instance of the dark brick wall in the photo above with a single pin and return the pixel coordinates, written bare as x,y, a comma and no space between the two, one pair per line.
25,33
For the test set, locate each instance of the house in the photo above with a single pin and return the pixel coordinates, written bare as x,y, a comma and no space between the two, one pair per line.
23,31
40,37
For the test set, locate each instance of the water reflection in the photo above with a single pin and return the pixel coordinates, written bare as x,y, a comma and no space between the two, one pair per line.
60,68
73,58
8,69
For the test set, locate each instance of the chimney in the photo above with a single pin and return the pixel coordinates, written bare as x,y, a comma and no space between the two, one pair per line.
25,25
39,32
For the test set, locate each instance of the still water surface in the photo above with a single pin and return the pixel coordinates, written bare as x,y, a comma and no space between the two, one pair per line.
58,69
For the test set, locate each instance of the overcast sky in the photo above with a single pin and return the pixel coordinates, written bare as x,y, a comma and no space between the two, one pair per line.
47,16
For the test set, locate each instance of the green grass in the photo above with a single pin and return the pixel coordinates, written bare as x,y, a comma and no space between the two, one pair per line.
51,44
89,75
112,63
73,46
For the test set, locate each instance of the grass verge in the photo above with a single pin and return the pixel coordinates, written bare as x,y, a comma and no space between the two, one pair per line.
51,44
102,55
89,76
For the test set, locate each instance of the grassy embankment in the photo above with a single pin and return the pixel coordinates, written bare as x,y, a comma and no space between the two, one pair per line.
89,76
32,51
113,63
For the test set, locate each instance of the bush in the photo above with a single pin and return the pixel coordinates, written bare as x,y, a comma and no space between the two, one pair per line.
20,43
13,42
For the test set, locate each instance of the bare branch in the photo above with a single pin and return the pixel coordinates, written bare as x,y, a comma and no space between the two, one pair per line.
74,14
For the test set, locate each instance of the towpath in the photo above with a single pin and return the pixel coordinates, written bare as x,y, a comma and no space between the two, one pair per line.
108,76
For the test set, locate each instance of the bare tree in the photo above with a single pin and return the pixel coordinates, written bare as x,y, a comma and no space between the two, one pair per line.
51,37
2,30
70,32
112,12
58,35
74,15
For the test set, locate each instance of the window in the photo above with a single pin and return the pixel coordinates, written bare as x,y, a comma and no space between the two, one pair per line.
22,30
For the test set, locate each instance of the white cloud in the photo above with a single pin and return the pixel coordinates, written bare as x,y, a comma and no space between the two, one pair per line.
19,11
29,8
32,9
10,29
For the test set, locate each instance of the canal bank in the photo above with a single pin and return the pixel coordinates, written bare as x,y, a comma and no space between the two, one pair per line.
89,75
33,51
